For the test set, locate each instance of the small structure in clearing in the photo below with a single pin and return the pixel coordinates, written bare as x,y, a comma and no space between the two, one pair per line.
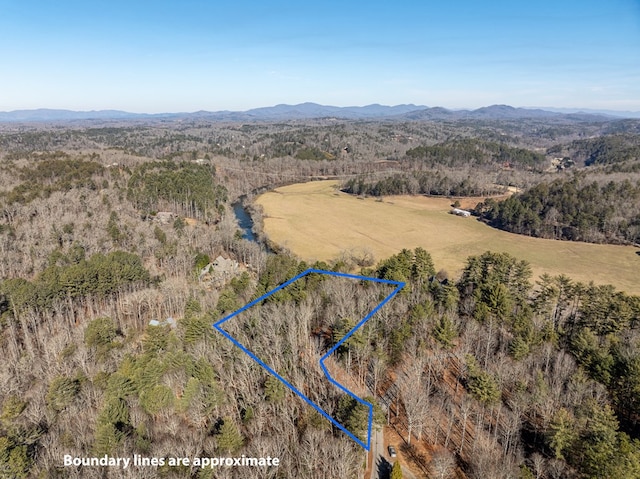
167,322
459,212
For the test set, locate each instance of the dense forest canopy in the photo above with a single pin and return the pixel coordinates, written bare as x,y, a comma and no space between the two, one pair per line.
429,183
187,188
473,152
60,173
73,276
572,209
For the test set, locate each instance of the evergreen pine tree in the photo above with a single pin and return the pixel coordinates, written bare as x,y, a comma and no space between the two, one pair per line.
229,438
396,471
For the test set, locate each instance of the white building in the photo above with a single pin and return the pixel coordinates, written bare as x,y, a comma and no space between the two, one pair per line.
459,212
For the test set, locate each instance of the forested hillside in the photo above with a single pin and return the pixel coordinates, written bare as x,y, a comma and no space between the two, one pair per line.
450,183
476,153
490,374
603,150
573,209
507,376
185,188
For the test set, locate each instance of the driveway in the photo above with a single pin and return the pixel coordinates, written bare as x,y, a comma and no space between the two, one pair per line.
381,464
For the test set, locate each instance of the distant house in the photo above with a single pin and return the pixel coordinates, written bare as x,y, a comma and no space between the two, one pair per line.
459,212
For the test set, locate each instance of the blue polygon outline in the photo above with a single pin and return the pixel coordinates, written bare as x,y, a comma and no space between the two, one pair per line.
399,286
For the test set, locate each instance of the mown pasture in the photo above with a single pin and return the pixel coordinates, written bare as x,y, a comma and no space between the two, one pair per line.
316,221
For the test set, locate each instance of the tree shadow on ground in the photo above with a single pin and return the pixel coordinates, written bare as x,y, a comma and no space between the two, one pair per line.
417,457
384,468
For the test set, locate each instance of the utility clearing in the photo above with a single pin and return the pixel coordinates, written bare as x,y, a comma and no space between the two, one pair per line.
316,221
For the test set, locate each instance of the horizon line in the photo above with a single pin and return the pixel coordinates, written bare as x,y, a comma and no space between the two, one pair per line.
629,114
227,110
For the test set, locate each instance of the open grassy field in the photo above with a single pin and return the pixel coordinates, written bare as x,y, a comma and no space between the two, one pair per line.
317,222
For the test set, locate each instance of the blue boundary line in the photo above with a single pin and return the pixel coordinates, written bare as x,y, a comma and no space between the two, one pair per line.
399,285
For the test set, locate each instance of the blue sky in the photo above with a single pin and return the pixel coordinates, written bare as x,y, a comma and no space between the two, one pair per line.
193,55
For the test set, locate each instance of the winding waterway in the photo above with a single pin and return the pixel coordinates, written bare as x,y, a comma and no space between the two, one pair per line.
244,221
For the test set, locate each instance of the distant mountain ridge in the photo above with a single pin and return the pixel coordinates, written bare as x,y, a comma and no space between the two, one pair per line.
277,112
305,111
591,111
45,114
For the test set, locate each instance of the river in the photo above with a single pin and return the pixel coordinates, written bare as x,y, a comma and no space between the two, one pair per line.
244,221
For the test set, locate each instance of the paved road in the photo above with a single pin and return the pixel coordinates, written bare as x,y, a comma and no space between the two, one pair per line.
381,465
